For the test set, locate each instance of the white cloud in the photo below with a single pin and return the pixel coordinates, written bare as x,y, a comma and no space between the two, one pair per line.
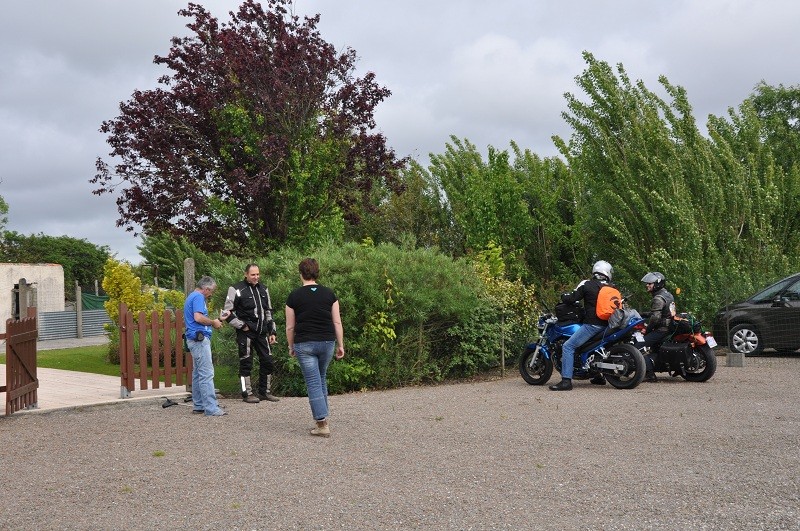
490,72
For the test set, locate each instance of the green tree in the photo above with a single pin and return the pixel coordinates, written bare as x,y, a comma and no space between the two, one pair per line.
122,285
486,200
554,244
759,203
82,261
654,193
165,255
3,214
645,178
416,211
258,135
778,110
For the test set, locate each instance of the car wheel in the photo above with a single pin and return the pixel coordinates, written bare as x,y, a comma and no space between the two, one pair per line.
745,339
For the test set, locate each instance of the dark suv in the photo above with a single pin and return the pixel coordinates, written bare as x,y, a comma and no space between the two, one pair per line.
768,319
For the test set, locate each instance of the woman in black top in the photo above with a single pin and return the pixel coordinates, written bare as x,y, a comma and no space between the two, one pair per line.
313,331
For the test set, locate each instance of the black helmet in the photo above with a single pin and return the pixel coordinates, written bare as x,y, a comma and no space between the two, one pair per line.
657,279
603,268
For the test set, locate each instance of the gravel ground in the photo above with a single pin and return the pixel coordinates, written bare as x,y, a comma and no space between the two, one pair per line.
496,454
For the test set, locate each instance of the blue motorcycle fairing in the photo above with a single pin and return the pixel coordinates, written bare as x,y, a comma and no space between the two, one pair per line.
605,337
567,330
601,338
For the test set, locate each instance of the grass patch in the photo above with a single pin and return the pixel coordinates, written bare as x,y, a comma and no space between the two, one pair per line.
91,359
226,379
94,359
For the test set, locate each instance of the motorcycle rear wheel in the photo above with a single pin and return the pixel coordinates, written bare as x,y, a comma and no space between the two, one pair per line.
632,359
707,365
541,371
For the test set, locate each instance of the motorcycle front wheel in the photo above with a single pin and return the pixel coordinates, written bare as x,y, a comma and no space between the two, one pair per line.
633,365
540,372
706,365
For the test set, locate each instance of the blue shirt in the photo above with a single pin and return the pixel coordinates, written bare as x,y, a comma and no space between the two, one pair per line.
195,302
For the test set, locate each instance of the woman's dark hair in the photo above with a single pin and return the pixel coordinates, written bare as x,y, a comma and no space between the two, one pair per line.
309,269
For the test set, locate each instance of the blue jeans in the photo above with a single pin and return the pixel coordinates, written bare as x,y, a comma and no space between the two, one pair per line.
314,358
568,350
203,395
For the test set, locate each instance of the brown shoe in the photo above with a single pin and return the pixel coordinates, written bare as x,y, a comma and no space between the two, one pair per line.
269,397
251,399
322,429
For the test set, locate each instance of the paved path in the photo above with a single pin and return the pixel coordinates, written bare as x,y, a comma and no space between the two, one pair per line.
59,389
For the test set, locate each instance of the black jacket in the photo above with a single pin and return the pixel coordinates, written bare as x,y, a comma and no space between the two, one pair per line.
250,305
662,309
587,292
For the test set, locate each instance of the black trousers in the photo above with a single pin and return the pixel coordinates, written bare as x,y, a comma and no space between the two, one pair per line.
248,343
650,340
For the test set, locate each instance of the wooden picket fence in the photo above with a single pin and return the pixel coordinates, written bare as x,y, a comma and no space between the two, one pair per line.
163,334
21,380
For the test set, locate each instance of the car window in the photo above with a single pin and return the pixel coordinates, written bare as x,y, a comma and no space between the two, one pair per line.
769,294
793,292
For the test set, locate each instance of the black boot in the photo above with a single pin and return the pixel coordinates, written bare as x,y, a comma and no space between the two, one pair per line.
650,376
564,385
598,380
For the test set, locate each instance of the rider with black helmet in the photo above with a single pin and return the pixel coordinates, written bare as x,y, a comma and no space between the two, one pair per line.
662,310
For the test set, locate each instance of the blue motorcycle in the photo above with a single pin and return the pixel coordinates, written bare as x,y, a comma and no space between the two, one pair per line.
609,353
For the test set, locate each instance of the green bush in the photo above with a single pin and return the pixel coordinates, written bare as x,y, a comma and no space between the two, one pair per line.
410,315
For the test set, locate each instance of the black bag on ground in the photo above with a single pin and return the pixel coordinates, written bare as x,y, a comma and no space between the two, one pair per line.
569,313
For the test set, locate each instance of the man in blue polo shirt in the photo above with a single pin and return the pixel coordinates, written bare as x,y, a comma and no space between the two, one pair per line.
198,338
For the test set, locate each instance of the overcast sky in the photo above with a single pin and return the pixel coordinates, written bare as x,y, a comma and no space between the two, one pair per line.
490,72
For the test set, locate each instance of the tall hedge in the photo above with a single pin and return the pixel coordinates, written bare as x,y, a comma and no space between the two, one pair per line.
409,315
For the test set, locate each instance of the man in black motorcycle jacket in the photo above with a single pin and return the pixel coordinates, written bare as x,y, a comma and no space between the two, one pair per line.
662,310
587,291
249,310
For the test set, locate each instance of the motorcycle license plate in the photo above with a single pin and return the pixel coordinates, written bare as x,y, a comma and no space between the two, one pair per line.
711,342
638,336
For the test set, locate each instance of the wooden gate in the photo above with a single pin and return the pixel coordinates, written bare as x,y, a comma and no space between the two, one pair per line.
21,381
160,336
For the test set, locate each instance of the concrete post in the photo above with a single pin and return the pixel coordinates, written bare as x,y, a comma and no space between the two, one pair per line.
188,276
735,359
24,289
79,309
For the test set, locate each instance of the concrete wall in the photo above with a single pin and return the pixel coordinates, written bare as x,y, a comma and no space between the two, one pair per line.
49,285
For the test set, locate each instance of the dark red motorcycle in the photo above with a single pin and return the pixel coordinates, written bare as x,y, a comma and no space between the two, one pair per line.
687,353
